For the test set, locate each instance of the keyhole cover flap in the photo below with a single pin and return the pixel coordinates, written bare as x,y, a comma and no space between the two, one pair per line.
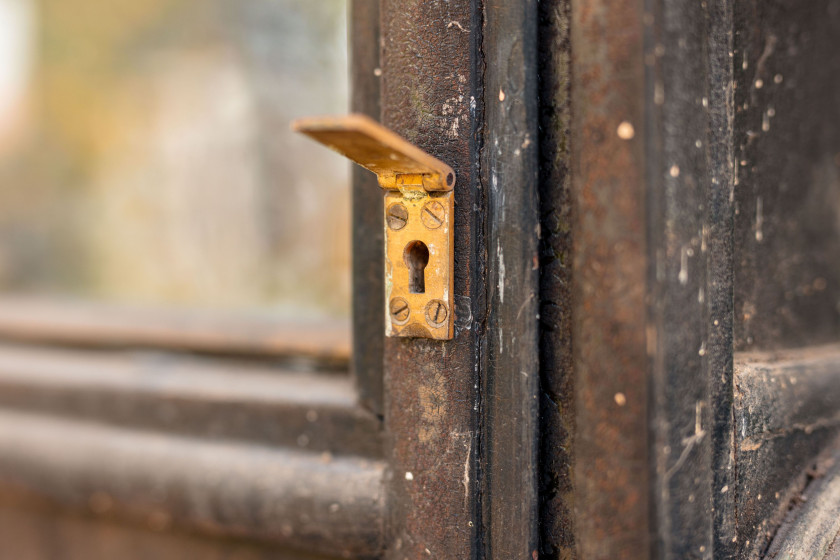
376,148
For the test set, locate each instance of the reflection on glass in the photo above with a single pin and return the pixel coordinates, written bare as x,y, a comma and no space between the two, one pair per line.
145,154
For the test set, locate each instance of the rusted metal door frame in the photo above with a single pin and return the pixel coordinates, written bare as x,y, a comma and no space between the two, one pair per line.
691,440
652,180
459,79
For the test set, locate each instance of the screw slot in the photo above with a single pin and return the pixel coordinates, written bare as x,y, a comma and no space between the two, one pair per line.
436,313
397,216
399,310
433,214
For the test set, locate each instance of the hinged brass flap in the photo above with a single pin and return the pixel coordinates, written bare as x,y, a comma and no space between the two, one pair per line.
419,224
376,148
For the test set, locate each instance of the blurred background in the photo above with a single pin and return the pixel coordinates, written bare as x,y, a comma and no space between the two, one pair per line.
146,157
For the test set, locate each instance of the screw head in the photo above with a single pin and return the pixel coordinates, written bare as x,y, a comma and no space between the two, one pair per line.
397,216
399,310
433,214
436,313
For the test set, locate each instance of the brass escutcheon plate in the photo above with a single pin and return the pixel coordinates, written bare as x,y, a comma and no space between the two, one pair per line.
421,320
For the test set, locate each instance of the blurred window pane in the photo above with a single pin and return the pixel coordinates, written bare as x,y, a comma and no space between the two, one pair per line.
146,158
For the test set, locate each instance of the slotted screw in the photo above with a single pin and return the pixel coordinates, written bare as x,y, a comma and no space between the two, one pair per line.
399,310
436,313
397,216
433,214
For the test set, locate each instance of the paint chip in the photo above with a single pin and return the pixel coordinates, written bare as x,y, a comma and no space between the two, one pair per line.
620,399
501,95
675,171
626,131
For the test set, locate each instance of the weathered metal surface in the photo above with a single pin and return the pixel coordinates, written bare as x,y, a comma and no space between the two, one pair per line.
785,414
431,95
557,418
368,236
510,375
689,194
787,277
320,343
719,287
303,500
653,245
191,396
811,530
787,140
610,259
739,214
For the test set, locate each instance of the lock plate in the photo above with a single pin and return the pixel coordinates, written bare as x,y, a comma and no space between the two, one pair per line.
426,231
419,204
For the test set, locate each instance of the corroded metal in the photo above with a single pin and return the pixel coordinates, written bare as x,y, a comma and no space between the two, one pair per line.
557,424
430,93
610,275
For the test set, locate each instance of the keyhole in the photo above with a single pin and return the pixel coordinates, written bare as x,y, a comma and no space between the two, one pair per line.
416,258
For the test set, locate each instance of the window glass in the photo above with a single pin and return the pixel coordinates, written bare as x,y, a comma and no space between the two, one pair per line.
146,157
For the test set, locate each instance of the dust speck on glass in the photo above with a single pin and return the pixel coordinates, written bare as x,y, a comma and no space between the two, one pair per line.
146,157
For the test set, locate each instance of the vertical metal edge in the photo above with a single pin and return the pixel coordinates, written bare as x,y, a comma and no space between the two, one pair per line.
510,382
432,97
688,162
450,294
367,235
720,278
557,418
610,264
653,249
